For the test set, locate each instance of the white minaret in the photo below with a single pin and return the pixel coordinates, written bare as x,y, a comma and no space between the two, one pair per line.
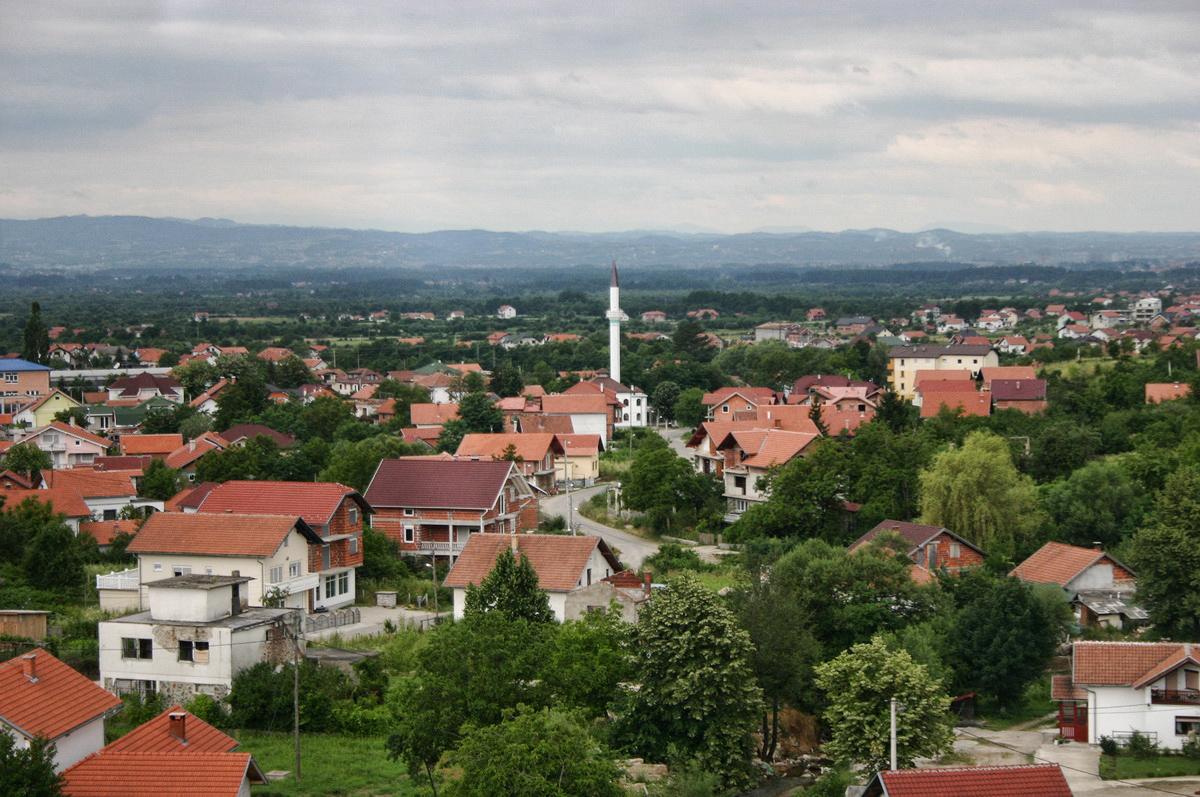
614,316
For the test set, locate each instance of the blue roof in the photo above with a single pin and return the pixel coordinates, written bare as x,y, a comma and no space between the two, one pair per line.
13,364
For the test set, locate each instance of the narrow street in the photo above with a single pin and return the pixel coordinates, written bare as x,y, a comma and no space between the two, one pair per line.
633,549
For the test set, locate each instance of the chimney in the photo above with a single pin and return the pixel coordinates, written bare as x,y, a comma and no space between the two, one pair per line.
177,725
1097,546
29,667
646,576
513,542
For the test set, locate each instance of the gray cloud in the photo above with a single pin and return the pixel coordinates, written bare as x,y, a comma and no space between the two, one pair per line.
523,115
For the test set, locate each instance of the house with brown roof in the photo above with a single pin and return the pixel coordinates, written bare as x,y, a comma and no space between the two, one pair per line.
724,403
185,458
535,455
238,434
1100,588
589,414
176,752
273,550
1024,395
425,416
206,402
1158,392
152,445
434,505
929,548
336,513
580,461
563,564
957,397
197,633
749,456
1115,688
1024,780
106,492
42,696
144,386
63,501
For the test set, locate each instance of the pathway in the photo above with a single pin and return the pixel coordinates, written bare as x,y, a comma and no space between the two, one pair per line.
634,549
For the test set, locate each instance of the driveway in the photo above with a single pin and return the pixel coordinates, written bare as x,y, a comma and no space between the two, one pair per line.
634,549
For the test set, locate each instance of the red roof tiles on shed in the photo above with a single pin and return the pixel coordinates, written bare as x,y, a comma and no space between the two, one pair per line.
1031,780
1118,663
57,700
158,775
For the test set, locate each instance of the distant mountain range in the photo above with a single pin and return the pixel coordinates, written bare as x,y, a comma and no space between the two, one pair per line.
91,242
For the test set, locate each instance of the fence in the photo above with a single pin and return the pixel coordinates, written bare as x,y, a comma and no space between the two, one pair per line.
331,619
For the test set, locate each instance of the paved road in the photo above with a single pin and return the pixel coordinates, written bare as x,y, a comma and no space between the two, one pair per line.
634,549
677,438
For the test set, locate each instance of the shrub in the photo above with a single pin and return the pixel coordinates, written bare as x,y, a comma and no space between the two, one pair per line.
1109,746
832,784
207,708
1141,746
671,557
1191,746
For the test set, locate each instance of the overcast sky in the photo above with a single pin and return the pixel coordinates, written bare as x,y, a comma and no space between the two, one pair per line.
606,116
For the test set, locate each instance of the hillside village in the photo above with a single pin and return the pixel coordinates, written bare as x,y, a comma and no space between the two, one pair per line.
682,552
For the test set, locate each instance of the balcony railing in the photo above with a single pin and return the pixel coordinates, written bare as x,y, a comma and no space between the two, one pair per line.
1185,697
123,579
439,546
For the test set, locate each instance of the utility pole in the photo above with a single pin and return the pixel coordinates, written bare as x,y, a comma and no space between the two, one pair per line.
296,693
570,498
893,733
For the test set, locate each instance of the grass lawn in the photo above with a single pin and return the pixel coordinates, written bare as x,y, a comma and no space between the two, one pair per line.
1079,367
717,580
1159,766
330,764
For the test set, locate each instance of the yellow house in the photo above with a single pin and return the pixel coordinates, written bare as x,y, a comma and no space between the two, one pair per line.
41,412
581,460
905,361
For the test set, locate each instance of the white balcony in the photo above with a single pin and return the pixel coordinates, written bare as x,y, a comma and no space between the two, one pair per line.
438,546
299,584
124,579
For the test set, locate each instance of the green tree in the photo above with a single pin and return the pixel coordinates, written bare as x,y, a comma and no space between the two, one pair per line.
479,414
53,561
689,339
261,696
1097,503
160,482
976,491
324,415
26,459
405,395
469,671
589,661
512,590
28,772
546,753
663,400
243,399
666,488
1003,635
76,416
506,380
195,376
689,411
354,463
806,498
292,372
698,700
194,425
36,345
1166,554
859,685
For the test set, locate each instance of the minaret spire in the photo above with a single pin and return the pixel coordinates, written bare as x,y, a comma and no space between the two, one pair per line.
614,316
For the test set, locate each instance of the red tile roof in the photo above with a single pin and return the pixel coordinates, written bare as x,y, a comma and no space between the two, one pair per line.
58,701
157,775
216,534
316,502
580,445
103,531
1042,780
926,375
211,393
66,428
249,431
1019,389
189,497
427,435
1007,372
558,560
916,534
1158,392
1061,688
968,402
137,463
432,414
552,424
530,447
590,404
194,449
1118,663
154,736
275,354
756,395
1058,563
93,483
437,483
134,444
64,500
764,448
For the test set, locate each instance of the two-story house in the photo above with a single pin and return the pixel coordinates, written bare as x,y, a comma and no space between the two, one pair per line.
725,403
905,361
335,512
1116,688
1100,588
42,696
144,386
106,492
21,381
749,456
563,564
589,413
433,505
535,454
929,548
197,634
68,446
271,549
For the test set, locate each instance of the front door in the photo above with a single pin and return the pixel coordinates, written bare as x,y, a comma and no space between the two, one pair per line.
1073,721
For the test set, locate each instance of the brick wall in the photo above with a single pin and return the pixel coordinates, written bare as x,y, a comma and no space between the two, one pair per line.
968,556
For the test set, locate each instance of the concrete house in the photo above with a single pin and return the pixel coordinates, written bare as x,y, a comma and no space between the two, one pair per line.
197,634
68,446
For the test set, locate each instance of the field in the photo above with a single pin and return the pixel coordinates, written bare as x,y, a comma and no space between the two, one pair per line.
330,765
1079,367
1159,766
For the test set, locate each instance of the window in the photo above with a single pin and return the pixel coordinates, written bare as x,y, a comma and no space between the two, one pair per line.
352,516
408,533
133,648
409,512
1187,725
158,567
724,408
276,574
185,650
343,582
110,514
200,652
955,550
589,575
354,545
293,569
330,586
10,377
180,570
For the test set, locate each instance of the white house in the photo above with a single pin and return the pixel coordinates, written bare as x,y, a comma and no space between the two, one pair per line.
589,413
42,696
506,311
1146,308
563,564
1116,688
271,549
196,636
105,492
